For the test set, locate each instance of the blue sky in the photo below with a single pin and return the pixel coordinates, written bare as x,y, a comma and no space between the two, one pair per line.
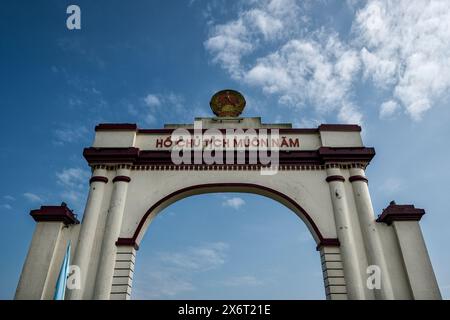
383,64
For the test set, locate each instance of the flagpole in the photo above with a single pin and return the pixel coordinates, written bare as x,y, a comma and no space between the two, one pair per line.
61,283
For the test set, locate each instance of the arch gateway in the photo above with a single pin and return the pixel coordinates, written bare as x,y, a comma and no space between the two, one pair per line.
318,173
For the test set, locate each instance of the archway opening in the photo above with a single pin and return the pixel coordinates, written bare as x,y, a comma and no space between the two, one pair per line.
227,246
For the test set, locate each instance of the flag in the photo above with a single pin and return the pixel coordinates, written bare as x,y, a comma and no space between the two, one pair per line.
62,278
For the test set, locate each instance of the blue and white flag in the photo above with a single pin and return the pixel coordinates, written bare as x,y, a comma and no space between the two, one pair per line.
62,278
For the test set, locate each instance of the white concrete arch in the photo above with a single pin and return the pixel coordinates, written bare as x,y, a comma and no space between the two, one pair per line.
320,177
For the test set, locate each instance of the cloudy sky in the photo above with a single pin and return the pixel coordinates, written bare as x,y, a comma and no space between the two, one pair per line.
382,64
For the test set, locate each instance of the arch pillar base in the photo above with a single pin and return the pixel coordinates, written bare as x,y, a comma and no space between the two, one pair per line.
333,273
123,273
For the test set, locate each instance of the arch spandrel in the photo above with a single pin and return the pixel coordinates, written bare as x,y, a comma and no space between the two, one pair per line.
304,192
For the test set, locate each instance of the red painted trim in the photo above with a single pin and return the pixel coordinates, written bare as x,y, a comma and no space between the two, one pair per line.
330,154
328,242
335,178
121,178
98,179
116,127
168,131
319,157
111,155
222,185
340,127
395,212
133,127
54,213
358,178
126,242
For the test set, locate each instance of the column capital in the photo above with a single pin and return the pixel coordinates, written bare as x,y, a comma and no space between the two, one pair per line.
358,178
121,178
54,213
98,179
335,178
328,242
397,212
127,242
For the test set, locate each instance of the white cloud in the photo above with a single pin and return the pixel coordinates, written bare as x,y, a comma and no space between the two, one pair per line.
235,203
161,284
317,70
32,197
152,100
74,182
171,273
9,198
201,258
70,135
6,206
73,177
388,109
401,46
269,20
392,185
405,48
155,106
228,44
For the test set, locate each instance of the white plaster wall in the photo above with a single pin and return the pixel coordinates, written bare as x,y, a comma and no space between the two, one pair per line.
114,139
395,264
416,260
341,139
44,259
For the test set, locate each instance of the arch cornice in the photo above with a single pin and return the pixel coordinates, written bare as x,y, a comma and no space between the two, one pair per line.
321,156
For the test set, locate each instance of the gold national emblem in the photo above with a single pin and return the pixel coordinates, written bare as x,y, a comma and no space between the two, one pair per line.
227,103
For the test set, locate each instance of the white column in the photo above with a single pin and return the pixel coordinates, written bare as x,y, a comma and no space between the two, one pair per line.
366,216
88,229
352,271
103,282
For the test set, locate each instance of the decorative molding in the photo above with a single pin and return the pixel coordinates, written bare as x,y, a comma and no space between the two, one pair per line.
358,178
335,178
127,242
132,241
98,179
121,178
340,127
353,154
397,212
225,167
110,155
322,127
54,213
321,156
328,242
116,127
